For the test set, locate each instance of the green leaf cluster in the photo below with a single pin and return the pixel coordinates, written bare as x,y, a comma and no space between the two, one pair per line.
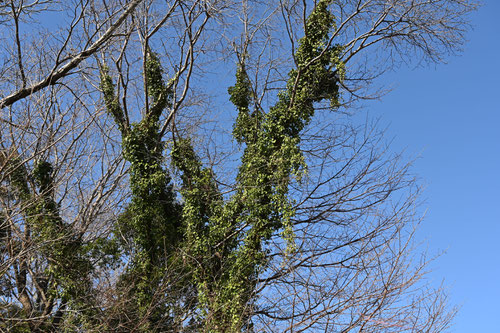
68,268
220,244
149,229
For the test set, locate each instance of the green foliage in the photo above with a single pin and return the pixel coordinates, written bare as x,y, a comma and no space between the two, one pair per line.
153,210
152,220
110,100
18,178
220,245
247,123
159,93
68,267
207,231
272,155
69,263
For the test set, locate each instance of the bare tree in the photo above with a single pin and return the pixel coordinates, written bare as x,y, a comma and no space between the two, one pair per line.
62,58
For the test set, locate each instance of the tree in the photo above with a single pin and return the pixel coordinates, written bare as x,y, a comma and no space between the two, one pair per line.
126,208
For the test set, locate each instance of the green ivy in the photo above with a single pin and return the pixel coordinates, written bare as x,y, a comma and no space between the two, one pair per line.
68,268
220,244
272,154
152,219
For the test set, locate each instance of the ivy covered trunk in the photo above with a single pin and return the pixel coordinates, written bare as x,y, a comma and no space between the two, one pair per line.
222,243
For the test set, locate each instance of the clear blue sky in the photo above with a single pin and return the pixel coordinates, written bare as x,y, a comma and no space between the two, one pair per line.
449,116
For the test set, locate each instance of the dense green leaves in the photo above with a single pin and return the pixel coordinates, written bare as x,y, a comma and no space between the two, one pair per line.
150,226
223,264
110,100
222,243
67,275
272,154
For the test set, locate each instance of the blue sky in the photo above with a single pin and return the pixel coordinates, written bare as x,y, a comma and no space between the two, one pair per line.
449,117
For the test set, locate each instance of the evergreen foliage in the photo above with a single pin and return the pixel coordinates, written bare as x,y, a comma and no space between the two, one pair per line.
223,243
151,223
67,276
